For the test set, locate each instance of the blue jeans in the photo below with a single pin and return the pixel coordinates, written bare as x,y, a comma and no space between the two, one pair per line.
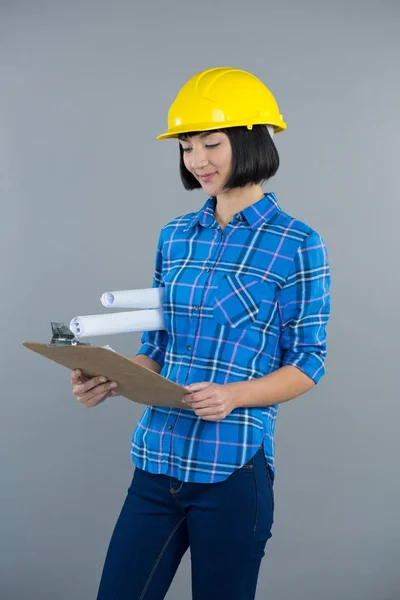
225,524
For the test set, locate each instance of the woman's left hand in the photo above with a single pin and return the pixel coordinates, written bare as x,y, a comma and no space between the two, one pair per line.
210,401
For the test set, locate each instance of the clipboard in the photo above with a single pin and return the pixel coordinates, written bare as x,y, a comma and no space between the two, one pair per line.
135,382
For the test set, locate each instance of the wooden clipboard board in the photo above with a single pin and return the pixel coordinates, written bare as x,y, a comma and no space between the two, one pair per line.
134,381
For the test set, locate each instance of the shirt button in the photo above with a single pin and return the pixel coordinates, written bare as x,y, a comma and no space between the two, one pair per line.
196,308
189,347
208,269
169,426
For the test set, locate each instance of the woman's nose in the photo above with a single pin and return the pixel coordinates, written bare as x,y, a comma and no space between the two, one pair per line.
199,158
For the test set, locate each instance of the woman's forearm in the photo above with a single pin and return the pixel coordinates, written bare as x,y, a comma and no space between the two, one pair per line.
282,385
145,361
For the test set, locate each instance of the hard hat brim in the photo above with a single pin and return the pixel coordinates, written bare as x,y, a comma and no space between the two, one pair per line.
176,131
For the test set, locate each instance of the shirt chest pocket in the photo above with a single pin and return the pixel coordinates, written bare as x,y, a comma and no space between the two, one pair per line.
237,300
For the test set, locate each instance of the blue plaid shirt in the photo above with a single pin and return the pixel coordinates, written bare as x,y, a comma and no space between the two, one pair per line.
239,303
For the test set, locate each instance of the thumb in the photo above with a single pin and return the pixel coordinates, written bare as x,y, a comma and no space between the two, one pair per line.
196,387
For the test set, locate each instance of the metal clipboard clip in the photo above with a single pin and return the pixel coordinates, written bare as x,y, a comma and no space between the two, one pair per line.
63,336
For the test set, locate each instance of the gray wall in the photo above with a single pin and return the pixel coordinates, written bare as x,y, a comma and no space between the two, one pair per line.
85,188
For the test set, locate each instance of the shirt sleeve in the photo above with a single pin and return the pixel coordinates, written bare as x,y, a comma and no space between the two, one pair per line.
304,306
154,343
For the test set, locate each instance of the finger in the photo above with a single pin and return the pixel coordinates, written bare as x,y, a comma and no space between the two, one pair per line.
79,390
206,410
76,376
91,384
193,387
94,400
209,414
197,397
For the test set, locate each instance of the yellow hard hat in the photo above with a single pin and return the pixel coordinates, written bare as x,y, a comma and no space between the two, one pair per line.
219,98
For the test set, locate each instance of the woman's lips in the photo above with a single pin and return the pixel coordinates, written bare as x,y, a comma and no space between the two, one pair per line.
207,177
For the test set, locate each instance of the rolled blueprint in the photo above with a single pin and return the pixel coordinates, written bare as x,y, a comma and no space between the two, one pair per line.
146,298
123,322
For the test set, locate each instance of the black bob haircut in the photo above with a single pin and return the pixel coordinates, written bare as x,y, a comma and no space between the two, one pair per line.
254,157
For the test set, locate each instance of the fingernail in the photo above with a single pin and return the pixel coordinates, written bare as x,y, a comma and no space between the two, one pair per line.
103,379
113,384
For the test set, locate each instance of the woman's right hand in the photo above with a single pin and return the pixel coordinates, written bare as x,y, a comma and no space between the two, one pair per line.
91,391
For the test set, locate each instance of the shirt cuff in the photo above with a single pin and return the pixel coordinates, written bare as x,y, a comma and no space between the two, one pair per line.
154,352
310,363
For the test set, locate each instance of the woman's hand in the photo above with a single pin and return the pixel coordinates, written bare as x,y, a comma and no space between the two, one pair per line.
210,401
91,391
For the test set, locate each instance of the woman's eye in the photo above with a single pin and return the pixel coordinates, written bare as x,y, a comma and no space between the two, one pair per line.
188,149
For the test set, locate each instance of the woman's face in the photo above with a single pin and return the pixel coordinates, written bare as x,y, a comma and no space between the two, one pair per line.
208,156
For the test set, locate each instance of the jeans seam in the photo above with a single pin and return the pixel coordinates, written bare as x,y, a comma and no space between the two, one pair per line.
160,557
271,485
257,499
173,492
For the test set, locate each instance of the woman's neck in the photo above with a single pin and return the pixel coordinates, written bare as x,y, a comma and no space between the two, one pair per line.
235,200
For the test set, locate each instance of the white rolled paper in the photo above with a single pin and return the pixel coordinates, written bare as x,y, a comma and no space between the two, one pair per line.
123,322
145,298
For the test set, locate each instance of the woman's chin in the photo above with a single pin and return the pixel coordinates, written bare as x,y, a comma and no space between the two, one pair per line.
211,188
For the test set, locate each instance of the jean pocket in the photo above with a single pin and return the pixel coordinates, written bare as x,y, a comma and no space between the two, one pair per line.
248,467
237,300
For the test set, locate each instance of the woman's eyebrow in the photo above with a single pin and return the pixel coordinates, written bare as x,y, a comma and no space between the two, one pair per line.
202,135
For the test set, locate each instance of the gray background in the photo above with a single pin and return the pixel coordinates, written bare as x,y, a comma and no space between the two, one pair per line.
85,188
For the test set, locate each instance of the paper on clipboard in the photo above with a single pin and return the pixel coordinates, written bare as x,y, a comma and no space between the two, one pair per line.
134,381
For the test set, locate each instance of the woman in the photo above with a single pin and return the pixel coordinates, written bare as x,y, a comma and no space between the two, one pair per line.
246,304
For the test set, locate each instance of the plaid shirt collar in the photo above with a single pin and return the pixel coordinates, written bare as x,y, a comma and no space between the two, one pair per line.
255,215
